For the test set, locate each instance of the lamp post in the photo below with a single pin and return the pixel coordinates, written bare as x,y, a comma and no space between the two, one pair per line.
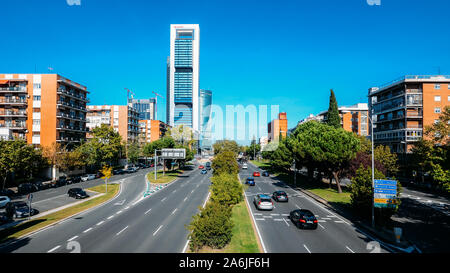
373,172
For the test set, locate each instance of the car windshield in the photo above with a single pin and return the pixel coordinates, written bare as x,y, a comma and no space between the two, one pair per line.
21,205
307,214
266,200
281,193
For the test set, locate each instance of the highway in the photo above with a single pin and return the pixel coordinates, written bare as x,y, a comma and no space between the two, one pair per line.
279,235
129,223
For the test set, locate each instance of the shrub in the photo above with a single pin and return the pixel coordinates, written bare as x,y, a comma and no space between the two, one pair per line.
211,227
225,162
226,189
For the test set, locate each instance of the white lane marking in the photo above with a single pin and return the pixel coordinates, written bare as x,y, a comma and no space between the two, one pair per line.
110,217
73,238
192,191
119,212
285,214
260,219
321,221
163,199
53,249
257,213
350,249
147,211
339,222
321,226
174,211
87,230
307,248
174,191
185,247
184,200
326,218
121,230
99,223
127,207
286,221
331,216
275,214
278,219
297,206
157,230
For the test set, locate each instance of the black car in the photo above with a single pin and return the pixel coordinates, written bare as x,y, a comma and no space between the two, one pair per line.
208,168
40,185
61,181
7,192
77,193
118,171
280,196
265,173
21,209
74,179
26,188
303,218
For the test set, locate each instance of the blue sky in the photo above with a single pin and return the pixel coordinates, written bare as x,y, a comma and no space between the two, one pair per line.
287,53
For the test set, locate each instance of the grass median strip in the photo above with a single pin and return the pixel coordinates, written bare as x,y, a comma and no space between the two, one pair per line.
41,222
160,179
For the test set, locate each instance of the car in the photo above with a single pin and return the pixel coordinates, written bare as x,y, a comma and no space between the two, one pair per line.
7,192
76,179
303,218
118,171
40,185
208,164
208,168
263,202
201,167
280,196
256,174
21,209
244,166
250,181
62,181
265,173
26,188
204,172
87,177
130,170
4,200
77,193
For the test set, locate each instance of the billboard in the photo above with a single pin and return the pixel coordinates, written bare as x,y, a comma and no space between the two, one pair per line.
173,153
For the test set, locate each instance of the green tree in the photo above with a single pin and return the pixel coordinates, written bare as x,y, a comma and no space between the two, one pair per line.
332,116
281,159
388,159
440,132
225,162
226,189
253,149
133,152
229,145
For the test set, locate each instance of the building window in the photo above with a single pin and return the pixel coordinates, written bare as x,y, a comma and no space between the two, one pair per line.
37,86
37,98
448,97
437,110
437,86
437,98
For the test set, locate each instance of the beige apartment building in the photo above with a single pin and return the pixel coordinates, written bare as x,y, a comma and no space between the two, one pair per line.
123,118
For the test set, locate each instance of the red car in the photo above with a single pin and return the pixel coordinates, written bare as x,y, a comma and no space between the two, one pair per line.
201,167
256,174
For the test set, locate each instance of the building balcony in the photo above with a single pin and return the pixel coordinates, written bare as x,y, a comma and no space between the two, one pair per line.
60,103
14,126
13,90
16,101
72,95
13,114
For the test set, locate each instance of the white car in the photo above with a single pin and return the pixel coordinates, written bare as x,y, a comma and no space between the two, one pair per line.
87,177
244,166
263,202
4,200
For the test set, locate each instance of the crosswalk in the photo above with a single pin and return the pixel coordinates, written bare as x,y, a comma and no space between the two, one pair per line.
281,217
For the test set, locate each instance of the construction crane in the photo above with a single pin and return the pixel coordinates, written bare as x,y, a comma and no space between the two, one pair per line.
156,103
128,95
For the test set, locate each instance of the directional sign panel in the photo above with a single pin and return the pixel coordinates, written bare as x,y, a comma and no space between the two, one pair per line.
173,153
385,193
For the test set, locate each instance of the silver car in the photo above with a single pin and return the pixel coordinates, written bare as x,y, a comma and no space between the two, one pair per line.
263,202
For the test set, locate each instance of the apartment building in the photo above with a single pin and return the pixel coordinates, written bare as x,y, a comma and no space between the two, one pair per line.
42,109
402,108
277,127
151,130
123,118
354,118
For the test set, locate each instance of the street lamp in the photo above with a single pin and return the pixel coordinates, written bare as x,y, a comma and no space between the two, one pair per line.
373,172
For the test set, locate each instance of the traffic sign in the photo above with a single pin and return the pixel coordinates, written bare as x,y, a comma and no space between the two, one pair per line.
173,153
385,193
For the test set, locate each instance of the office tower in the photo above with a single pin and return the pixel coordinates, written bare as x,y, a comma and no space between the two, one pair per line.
123,118
183,76
145,107
401,109
277,127
42,109
205,116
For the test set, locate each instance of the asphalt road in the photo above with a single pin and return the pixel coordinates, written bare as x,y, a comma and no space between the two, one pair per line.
129,223
279,235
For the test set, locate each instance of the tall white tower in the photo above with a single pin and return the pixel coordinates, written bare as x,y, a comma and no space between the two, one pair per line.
183,76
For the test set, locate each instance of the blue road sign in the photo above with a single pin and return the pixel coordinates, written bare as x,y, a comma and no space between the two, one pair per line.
385,191
385,187
385,182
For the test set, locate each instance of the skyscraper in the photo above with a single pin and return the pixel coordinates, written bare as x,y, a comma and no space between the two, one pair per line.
183,76
205,116
145,107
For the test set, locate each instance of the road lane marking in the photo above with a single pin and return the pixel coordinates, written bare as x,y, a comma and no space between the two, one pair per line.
174,191
73,238
297,206
307,248
268,216
99,223
127,207
321,221
350,249
321,226
275,214
326,218
87,230
257,213
110,217
184,200
285,214
121,230
192,191
339,222
278,219
163,199
286,221
174,211
147,211
157,230
260,219
119,212
53,249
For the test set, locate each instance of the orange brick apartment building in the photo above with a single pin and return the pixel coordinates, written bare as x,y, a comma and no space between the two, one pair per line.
151,130
123,118
42,109
353,118
402,109
277,127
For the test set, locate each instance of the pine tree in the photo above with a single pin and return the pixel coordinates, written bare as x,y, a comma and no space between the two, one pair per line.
333,118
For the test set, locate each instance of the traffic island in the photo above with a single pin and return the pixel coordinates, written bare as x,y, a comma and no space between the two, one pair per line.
43,221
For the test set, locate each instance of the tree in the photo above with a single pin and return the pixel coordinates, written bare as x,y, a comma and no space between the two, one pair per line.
253,149
319,144
226,189
133,152
229,145
383,155
225,162
281,159
107,174
332,117
440,132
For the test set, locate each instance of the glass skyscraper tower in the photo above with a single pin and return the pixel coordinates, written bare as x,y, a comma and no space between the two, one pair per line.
183,76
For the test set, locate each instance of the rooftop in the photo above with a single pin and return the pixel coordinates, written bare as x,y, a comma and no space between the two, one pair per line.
411,78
